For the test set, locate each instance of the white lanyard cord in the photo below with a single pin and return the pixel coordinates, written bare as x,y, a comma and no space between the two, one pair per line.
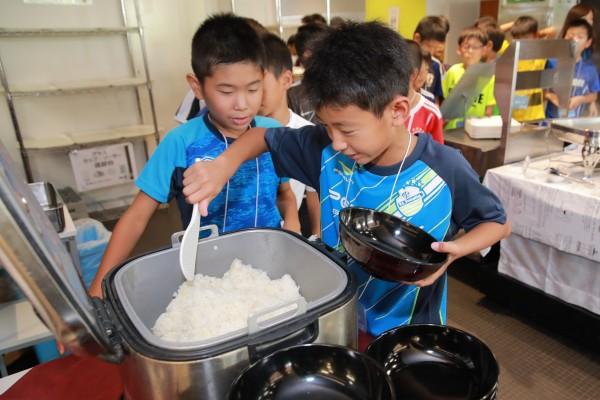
410,136
227,189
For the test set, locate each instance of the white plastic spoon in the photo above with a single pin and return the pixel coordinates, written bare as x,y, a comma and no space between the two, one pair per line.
189,245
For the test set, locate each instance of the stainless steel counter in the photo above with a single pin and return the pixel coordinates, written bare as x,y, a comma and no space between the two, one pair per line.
484,154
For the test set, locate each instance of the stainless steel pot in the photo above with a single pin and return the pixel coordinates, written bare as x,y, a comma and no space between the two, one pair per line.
117,329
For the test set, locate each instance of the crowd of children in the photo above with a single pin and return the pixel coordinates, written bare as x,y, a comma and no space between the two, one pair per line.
362,128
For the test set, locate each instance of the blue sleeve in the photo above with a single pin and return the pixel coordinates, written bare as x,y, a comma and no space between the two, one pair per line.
296,153
155,178
472,202
594,81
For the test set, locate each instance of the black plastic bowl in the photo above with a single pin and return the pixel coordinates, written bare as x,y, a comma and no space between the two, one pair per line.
436,362
313,372
388,247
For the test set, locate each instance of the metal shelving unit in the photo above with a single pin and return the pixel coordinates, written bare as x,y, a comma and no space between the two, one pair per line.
69,140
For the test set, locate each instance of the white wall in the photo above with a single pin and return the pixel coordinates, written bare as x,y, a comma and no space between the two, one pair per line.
460,13
168,26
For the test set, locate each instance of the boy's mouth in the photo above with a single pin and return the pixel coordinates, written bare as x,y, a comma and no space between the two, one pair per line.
241,120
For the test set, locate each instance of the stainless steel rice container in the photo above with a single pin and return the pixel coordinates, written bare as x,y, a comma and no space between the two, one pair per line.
118,328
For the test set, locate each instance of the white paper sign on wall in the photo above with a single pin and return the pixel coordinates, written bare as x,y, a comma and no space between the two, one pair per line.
103,166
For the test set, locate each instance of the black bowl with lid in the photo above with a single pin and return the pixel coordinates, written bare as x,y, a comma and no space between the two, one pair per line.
388,247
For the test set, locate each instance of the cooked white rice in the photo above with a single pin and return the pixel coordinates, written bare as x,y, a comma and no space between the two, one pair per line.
208,307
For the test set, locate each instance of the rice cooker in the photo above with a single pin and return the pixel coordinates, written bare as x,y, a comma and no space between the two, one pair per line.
118,328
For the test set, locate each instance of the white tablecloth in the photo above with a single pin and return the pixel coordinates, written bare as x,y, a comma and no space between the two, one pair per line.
555,244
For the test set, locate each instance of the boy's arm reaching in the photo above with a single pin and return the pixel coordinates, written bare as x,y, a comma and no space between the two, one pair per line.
313,206
286,202
124,237
204,180
480,237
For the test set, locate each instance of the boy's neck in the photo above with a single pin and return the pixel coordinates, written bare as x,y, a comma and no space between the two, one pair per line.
395,153
282,114
414,98
234,134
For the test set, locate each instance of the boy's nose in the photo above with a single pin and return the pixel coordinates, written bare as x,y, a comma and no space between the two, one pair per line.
337,142
241,103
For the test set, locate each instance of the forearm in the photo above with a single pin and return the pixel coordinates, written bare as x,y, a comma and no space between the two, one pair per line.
286,203
204,180
313,206
247,147
125,236
489,111
482,236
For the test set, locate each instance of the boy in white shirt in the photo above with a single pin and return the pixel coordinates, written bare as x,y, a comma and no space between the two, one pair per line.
278,79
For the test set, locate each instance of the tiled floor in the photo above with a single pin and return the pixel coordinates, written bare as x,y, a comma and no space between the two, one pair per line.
533,363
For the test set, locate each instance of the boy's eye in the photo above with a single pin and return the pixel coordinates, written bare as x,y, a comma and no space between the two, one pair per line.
225,92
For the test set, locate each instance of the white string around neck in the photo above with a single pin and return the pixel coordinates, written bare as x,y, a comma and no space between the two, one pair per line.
227,188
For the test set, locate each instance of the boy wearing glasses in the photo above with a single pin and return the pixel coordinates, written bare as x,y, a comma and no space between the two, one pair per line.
471,44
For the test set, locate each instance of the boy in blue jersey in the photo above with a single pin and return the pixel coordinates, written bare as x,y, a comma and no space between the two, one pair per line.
363,155
228,62
586,83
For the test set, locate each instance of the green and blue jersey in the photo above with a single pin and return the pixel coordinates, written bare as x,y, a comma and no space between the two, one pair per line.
436,190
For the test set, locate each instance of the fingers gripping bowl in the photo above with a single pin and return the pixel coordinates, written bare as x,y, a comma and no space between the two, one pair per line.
388,247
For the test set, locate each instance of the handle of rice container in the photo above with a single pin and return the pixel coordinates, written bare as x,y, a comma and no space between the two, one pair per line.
177,236
298,331
260,320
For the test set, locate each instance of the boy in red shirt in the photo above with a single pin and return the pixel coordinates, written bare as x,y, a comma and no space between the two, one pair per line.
425,116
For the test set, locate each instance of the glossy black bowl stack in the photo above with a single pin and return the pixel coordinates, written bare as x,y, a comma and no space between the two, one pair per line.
436,362
313,372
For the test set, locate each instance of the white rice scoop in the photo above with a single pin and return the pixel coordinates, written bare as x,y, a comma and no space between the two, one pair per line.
189,245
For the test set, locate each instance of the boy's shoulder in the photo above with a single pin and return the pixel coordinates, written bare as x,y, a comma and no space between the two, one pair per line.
456,68
445,160
429,106
186,132
265,122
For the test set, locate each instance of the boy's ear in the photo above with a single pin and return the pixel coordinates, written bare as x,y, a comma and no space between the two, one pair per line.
287,78
195,85
417,37
400,108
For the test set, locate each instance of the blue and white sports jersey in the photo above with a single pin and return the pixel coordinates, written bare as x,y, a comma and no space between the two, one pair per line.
436,190
249,199
585,81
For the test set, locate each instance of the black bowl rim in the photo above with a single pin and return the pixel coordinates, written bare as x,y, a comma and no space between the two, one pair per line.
392,331
370,243
312,345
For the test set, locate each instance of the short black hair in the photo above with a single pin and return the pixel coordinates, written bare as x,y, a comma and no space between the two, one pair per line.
485,21
307,35
473,33
292,40
278,57
524,25
415,54
225,39
433,27
348,69
315,18
495,35
580,23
